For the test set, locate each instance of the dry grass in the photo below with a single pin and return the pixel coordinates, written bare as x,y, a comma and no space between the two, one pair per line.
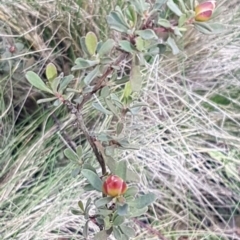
189,134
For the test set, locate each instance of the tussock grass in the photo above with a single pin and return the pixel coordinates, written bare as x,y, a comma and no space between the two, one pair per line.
188,135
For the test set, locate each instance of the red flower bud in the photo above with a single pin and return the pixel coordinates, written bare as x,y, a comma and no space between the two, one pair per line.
114,186
204,11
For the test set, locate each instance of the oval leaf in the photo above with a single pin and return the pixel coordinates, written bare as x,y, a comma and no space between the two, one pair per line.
91,42
93,179
102,201
118,220
143,201
37,82
147,34
121,170
106,47
51,72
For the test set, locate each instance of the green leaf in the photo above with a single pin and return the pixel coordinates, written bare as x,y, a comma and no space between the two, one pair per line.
107,223
118,220
132,176
119,128
106,47
79,151
76,212
117,233
102,235
122,210
85,229
81,206
135,212
83,45
103,212
174,7
89,167
88,187
65,81
100,108
116,22
159,3
51,72
93,179
102,201
143,201
147,34
121,170
37,82
164,23
105,92
131,14
209,28
81,63
111,107
71,155
91,42
75,172
131,191
220,99
92,75
141,6
130,232
171,42
126,46
135,76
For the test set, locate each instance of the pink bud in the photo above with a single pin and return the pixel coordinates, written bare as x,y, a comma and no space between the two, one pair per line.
114,186
204,11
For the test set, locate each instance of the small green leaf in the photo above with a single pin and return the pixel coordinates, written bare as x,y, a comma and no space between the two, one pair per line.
81,63
130,232
209,28
135,212
105,92
164,23
147,34
121,170
135,76
106,47
131,191
111,107
75,172
120,127
143,201
122,210
171,42
51,72
91,42
89,167
83,45
117,233
131,14
81,206
107,223
92,75
141,6
174,7
64,82
126,46
132,176
159,3
102,201
76,212
88,187
116,22
220,99
100,108
102,235
93,179
85,229
79,151
104,212
37,82
118,220
71,155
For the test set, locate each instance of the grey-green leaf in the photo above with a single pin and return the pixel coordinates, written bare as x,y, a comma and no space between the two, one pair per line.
102,235
122,210
92,75
174,7
171,42
37,82
121,170
100,108
130,232
106,47
126,46
70,154
118,220
135,76
85,229
93,179
102,201
146,34
144,200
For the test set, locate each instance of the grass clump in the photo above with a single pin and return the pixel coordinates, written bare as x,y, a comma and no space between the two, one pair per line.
188,133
